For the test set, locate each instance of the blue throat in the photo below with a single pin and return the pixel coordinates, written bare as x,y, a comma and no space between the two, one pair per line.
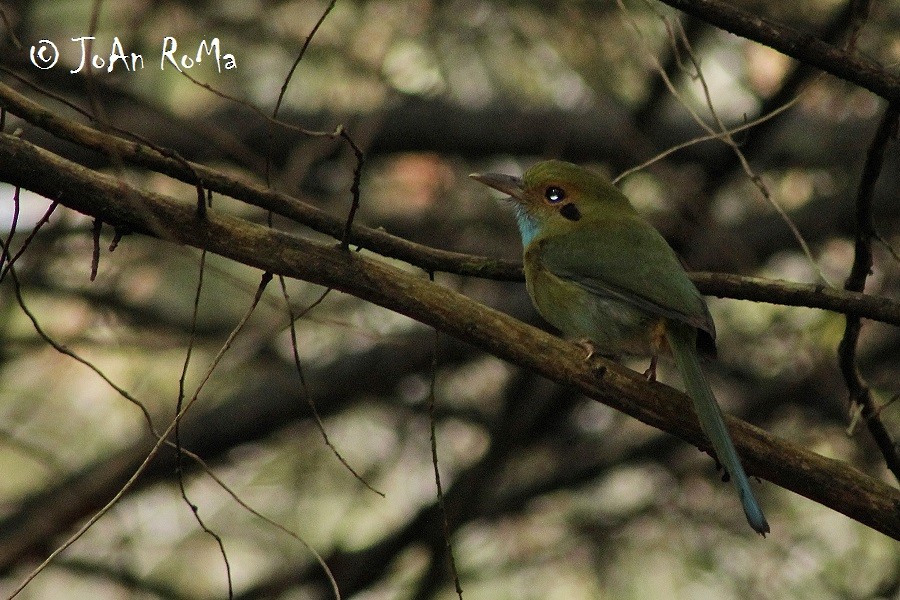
528,225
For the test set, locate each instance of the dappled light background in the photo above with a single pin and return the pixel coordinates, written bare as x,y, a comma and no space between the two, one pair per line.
548,495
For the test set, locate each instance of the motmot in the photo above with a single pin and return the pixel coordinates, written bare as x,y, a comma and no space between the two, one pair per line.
599,272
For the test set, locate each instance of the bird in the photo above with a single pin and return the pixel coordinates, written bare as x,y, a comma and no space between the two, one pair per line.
600,273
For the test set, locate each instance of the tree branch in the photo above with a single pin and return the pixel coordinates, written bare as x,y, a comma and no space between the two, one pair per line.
801,46
860,394
787,293
136,153
428,258
830,482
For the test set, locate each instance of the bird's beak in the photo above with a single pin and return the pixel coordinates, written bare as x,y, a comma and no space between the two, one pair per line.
503,183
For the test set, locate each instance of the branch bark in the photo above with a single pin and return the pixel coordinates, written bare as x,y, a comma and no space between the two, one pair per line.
830,482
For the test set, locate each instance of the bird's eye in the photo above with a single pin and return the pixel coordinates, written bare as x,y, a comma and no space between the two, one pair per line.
555,194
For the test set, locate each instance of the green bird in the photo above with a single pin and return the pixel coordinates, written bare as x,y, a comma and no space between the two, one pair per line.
597,271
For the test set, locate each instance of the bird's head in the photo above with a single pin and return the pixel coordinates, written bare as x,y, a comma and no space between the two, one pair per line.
555,194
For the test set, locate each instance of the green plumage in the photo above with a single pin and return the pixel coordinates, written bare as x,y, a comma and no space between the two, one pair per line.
616,259
596,270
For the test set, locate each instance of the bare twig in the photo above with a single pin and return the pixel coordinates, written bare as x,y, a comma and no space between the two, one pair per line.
179,449
37,226
17,288
720,132
445,521
212,474
12,229
710,136
300,55
292,318
354,189
161,440
796,44
284,87
283,124
292,327
860,394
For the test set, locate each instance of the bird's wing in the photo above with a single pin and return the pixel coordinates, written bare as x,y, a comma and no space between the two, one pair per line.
628,260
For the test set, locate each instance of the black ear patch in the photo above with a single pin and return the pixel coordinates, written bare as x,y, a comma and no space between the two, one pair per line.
570,211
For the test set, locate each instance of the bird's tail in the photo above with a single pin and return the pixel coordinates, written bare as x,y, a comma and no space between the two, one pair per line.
682,341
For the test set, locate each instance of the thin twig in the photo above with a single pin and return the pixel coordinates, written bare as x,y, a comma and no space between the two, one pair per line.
37,226
797,44
292,318
860,393
711,136
12,229
300,55
298,365
17,289
445,521
354,189
161,440
179,449
721,132
745,164
284,86
212,474
283,124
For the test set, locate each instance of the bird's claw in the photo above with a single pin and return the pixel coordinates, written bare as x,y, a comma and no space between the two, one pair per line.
588,347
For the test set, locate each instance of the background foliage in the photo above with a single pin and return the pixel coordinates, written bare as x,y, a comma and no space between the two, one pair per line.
547,494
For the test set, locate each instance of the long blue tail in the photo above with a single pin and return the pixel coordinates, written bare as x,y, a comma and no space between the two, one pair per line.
683,341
